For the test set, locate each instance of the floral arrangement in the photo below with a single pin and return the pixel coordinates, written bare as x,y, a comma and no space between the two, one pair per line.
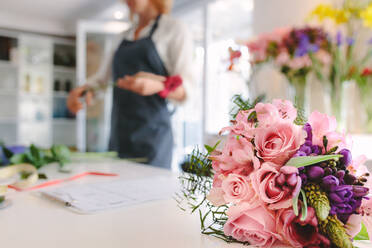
292,51
347,64
280,181
349,10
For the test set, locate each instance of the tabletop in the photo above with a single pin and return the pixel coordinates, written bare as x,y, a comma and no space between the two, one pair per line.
32,221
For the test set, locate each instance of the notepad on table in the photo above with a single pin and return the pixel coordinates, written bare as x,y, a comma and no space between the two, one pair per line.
95,197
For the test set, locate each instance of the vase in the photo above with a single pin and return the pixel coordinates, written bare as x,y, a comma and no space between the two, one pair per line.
366,99
299,94
346,107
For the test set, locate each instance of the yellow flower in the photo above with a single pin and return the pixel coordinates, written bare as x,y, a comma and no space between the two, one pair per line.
366,16
341,16
323,11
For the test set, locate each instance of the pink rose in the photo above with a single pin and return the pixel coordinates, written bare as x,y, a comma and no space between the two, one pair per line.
254,225
237,157
279,142
286,109
215,196
238,188
324,125
267,113
241,126
276,188
300,62
300,233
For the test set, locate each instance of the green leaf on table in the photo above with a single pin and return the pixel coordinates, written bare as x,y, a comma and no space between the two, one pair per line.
363,234
18,159
42,176
2,199
310,160
61,154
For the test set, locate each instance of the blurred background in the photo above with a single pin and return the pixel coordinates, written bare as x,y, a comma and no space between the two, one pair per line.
49,47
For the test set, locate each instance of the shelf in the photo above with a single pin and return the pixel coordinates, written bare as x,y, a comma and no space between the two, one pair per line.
64,69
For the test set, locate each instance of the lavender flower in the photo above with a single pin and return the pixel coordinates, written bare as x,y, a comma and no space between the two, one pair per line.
350,41
346,157
315,172
330,182
360,191
341,194
339,38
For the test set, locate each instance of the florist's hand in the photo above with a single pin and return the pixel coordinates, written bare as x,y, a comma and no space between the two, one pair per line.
142,83
74,103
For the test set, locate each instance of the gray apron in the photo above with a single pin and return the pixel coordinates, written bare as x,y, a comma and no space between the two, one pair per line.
140,125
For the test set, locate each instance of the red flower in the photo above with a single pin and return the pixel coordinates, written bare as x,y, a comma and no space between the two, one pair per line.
367,72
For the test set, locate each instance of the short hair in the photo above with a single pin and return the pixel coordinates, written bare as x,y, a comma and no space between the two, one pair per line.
163,6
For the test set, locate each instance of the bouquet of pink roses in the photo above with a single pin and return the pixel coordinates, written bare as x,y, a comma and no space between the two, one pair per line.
281,181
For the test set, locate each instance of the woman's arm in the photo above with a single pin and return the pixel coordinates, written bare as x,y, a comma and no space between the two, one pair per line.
180,52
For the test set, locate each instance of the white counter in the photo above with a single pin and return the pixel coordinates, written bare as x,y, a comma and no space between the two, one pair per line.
34,222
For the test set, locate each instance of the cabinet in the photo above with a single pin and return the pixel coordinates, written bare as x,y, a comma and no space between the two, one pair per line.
31,105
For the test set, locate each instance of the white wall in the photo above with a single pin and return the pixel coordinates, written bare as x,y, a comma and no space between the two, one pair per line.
271,14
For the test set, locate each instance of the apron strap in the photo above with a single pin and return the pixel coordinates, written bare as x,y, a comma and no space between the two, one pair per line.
155,26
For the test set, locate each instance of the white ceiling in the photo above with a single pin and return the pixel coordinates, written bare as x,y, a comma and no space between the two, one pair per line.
60,16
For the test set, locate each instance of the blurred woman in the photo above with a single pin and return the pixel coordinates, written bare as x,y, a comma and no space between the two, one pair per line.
148,64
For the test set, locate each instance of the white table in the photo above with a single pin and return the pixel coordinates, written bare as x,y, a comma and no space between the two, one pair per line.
34,222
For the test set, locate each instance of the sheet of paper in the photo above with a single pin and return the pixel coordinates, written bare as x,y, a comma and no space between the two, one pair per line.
96,197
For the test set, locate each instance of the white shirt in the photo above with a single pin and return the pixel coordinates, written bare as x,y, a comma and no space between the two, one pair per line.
174,45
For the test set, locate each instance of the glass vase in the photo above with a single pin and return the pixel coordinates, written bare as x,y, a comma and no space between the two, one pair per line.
366,98
300,96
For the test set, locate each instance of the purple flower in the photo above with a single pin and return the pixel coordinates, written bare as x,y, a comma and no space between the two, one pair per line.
341,194
341,208
340,174
360,191
370,41
303,178
346,157
300,154
306,149
339,38
305,46
350,41
330,182
309,131
315,172
14,150
316,149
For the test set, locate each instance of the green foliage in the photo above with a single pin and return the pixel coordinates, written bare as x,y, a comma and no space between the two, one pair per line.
40,157
310,160
241,104
2,199
196,183
335,231
301,117
318,199
363,234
